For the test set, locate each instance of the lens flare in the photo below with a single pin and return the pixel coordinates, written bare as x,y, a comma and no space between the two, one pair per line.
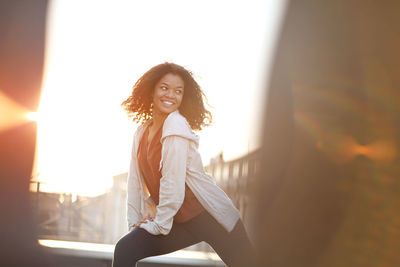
33,116
382,151
12,113
345,148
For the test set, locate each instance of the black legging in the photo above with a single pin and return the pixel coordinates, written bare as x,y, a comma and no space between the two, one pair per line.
234,247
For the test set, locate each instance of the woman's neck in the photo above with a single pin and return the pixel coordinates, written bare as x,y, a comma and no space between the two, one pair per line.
158,119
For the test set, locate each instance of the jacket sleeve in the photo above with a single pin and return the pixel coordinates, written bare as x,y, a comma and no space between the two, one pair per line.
172,184
133,189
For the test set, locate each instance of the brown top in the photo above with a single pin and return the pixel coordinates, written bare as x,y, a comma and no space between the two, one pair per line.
149,156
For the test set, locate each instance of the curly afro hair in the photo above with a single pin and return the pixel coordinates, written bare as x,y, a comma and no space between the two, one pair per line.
139,104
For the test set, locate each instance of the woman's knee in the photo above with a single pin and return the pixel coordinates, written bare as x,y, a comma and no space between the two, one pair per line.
127,250
122,245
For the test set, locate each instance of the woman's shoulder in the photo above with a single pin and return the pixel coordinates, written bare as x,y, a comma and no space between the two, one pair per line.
140,129
176,120
176,124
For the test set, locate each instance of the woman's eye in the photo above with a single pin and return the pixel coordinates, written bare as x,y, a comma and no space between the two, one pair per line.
163,88
178,92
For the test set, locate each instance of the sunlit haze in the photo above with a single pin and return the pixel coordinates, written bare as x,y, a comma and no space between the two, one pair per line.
96,50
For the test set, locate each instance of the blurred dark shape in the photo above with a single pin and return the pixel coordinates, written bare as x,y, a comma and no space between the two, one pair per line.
329,189
329,192
22,36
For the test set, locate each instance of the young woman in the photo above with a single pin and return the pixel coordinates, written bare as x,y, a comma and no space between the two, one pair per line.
172,202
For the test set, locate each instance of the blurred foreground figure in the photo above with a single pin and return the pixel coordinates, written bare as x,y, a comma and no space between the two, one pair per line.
329,192
22,30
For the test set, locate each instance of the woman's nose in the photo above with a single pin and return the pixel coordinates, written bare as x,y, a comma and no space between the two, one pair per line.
170,93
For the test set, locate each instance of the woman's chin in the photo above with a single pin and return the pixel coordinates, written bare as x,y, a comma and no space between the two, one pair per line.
168,110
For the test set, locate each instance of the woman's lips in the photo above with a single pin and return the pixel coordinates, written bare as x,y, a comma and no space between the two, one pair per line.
166,102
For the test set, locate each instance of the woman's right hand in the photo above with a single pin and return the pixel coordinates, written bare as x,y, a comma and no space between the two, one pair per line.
137,225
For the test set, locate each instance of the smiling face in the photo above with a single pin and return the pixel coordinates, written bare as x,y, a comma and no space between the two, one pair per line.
168,94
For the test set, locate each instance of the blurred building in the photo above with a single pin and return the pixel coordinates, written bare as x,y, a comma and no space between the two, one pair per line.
100,219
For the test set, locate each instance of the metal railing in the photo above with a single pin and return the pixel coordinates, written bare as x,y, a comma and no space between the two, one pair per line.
236,177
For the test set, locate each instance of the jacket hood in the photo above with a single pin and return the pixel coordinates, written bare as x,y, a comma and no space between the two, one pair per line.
176,124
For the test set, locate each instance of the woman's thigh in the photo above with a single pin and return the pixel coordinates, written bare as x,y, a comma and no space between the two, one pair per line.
139,244
234,247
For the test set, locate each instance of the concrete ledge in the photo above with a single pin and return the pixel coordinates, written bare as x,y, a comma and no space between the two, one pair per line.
81,254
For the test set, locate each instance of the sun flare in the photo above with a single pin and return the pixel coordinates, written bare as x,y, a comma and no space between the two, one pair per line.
33,116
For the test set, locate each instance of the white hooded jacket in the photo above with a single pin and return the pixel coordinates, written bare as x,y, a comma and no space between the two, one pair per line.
181,163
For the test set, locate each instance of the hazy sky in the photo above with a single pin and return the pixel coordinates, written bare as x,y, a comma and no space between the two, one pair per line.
96,50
